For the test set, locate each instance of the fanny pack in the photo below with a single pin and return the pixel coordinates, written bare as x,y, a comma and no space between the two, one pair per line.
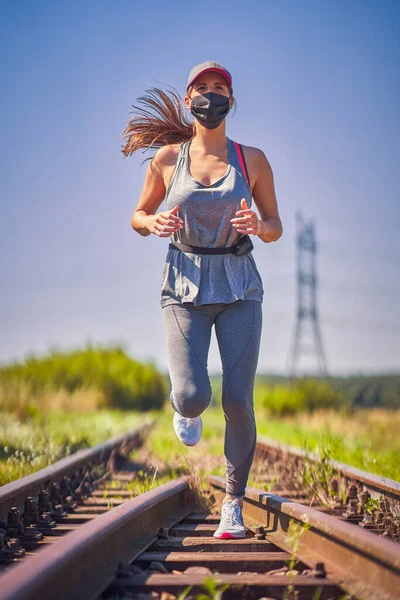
242,247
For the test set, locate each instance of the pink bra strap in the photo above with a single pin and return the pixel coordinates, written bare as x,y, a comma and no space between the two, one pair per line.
241,160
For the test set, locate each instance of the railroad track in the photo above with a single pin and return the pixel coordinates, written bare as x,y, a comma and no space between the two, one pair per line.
169,544
158,543
370,501
41,508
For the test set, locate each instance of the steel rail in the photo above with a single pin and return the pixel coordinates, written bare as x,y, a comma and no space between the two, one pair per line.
15,493
88,560
374,483
356,560
85,562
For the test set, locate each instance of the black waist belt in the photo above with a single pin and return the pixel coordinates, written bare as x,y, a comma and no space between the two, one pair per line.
243,246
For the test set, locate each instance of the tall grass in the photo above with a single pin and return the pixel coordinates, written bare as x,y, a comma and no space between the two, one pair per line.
86,379
33,443
364,438
367,439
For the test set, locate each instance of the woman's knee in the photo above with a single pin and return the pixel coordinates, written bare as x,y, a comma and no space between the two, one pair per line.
190,401
237,400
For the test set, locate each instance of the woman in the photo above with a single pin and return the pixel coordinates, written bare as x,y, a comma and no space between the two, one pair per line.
210,276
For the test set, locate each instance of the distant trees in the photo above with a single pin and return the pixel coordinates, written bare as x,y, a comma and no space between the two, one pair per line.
279,396
370,391
306,394
98,377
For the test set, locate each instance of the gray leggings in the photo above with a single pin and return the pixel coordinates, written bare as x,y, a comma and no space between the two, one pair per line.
238,329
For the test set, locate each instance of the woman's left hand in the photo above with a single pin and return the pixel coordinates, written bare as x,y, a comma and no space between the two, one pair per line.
246,220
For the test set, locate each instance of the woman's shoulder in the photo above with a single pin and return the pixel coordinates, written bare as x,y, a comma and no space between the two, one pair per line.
256,163
167,155
255,157
252,151
166,159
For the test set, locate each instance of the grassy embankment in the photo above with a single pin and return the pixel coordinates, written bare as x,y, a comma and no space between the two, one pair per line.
367,440
40,422
35,442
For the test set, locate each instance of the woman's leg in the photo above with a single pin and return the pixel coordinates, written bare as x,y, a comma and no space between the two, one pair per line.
188,335
238,329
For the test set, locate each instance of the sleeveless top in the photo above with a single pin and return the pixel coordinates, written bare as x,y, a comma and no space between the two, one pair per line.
206,212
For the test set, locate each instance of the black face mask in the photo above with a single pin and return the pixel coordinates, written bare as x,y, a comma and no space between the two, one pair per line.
210,109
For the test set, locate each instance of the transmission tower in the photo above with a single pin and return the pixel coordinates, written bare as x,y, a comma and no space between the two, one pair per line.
306,298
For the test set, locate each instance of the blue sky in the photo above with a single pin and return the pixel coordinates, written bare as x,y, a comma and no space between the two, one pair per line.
317,89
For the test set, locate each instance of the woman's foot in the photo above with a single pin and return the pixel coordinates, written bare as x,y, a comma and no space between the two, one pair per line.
188,430
231,525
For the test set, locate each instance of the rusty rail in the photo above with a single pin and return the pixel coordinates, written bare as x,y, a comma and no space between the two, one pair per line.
83,563
118,551
356,560
373,483
370,501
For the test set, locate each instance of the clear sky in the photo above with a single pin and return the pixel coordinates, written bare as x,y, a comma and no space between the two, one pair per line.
317,89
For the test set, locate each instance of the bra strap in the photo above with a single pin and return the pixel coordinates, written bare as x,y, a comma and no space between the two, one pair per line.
242,161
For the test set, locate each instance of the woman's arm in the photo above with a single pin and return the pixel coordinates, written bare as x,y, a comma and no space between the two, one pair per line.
263,191
144,219
152,195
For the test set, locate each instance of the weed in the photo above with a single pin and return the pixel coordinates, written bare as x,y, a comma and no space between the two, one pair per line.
213,590
268,486
371,505
143,482
293,538
318,476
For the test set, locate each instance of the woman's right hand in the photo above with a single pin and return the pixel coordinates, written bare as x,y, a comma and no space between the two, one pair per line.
165,223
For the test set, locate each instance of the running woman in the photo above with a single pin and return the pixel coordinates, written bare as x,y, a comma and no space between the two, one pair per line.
210,277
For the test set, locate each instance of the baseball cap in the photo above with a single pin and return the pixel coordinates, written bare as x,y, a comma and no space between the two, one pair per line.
204,67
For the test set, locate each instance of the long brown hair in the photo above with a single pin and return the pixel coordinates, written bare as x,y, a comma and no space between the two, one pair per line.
168,125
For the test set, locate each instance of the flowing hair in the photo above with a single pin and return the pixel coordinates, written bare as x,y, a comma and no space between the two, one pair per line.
166,125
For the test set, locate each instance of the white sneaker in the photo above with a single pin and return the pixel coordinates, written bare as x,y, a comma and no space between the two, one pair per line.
188,430
231,525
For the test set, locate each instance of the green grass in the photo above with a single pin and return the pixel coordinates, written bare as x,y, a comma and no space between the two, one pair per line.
206,456
367,439
35,442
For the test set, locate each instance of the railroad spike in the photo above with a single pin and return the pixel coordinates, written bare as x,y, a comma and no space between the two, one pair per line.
29,536
10,549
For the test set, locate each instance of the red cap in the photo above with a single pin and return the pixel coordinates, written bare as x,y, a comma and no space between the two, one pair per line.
208,66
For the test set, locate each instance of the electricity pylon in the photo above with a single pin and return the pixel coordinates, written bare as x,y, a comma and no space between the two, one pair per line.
306,297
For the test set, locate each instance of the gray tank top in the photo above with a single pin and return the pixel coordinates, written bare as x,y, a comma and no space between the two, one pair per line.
206,212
